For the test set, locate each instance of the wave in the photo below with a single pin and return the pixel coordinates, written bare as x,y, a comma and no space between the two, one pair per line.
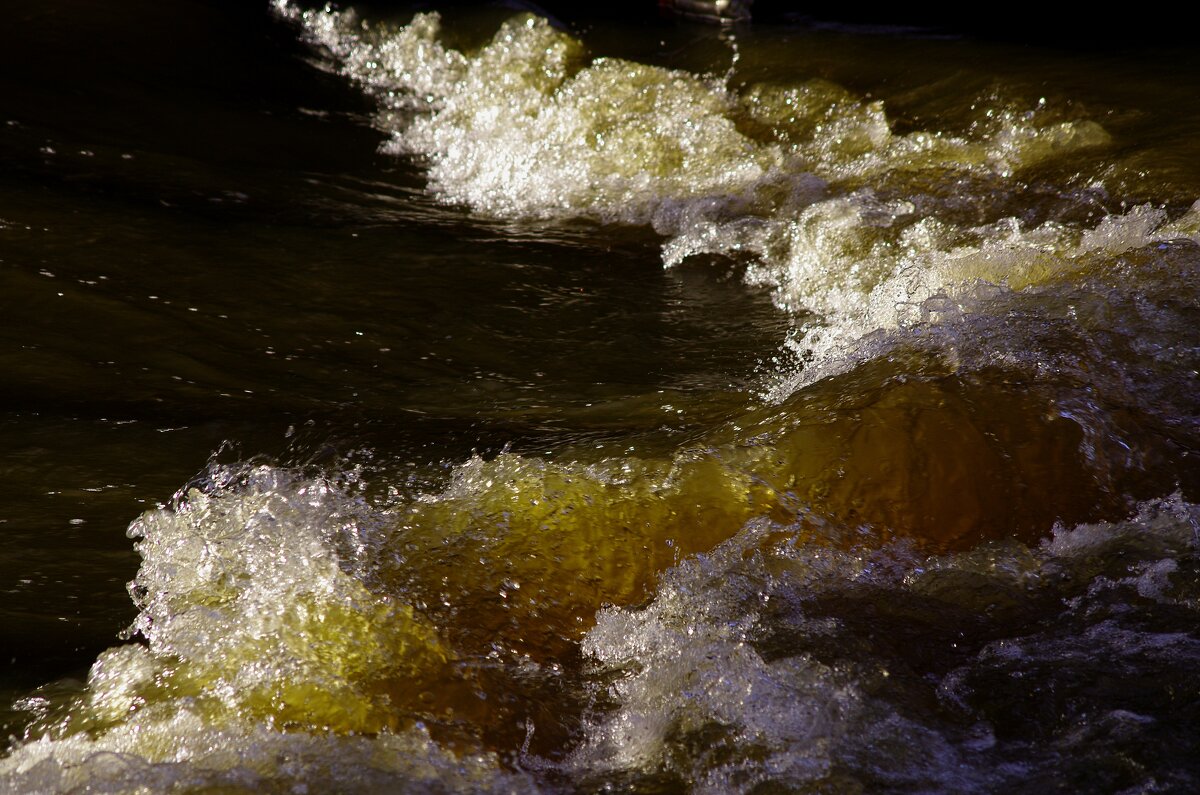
852,225
905,568
293,632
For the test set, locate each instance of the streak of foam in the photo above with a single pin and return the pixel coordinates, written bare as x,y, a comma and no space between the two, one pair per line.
526,128
844,219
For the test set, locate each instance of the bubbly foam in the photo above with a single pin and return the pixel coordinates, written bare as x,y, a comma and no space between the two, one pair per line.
843,218
276,602
231,581
923,279
786,655
186,753
752,666
831,615
265,654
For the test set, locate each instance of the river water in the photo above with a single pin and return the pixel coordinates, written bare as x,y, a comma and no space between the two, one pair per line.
470,401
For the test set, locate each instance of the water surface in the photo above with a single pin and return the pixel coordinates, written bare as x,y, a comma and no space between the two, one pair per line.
475,401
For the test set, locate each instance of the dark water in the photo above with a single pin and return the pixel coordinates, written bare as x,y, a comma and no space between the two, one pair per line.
625,405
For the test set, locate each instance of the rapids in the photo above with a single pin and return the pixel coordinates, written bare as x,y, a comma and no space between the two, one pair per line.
946,541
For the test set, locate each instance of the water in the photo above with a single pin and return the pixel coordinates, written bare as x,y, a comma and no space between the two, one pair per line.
475,404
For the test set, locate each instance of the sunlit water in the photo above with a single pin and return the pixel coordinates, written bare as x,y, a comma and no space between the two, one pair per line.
612,408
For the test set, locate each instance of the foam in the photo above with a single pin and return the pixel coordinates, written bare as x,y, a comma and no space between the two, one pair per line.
853,226
292,635
265,659
744,672
186,753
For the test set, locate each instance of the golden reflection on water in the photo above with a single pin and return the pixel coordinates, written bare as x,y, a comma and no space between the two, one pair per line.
515,557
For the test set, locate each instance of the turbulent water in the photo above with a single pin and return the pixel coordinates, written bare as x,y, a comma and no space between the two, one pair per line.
935,533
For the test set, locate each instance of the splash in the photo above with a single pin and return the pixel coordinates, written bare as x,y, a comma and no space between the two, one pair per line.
860,228
273,601
826,592
248,615
773,663
266,660
281,648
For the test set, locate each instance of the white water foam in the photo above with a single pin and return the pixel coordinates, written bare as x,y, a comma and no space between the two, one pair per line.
261,664
733,676
748,669
807,182
751,665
